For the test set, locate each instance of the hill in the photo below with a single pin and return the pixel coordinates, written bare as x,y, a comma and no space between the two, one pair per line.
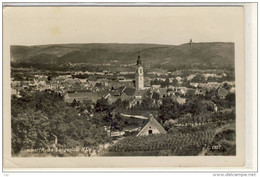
215,53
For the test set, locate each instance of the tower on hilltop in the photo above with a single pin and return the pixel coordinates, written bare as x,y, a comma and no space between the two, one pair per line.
139,75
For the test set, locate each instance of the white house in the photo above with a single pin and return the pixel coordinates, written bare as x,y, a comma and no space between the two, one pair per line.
152,127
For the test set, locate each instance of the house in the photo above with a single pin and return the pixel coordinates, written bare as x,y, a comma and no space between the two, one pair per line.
156,86
83,81
124,96
222,93
147,82
152,127
59,79
180,100
200,92
178,79
126,93
121,89
132,102
170,92
171,121
210,85
126,82
115,93
16,84
129,91
103,81
72,82
162,92
171,87
232,90
190,77
105,71
182,90
107,96
194,84
120,78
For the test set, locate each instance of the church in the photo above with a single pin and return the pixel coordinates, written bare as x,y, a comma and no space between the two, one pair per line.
139,75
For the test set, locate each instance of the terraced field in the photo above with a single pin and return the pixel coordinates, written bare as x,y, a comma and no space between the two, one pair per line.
178,144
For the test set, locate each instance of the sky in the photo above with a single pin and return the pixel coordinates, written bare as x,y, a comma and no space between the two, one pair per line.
160,25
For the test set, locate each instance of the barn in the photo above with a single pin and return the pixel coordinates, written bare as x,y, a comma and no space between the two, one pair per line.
152,127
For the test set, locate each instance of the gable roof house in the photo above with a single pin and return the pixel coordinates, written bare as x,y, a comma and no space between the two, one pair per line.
152,127
121,89
124,96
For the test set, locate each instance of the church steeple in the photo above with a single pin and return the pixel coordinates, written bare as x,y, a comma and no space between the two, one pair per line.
139,62
139,75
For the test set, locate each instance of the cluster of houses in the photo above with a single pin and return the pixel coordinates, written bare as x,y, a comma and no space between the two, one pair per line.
115,85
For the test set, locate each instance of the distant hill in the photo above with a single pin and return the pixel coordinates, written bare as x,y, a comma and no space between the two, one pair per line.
197,53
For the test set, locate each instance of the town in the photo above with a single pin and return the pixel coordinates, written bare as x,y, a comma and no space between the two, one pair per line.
136,109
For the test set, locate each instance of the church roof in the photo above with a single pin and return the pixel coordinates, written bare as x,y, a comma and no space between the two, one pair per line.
129,91
139,92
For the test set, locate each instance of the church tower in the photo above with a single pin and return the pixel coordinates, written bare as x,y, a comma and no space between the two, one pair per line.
139,75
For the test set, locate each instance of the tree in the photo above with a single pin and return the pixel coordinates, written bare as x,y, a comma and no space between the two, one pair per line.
44,119
191,106
175,82
147,103
169,109
29,130
118,122
49,78
212,79
102,107
231,98
165,83
205,106
226,86
156,96
185,82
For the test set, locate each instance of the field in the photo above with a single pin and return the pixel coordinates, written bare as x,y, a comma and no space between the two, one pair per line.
216,141
175,144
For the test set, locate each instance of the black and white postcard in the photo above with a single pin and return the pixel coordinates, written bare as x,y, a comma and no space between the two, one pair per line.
123,86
